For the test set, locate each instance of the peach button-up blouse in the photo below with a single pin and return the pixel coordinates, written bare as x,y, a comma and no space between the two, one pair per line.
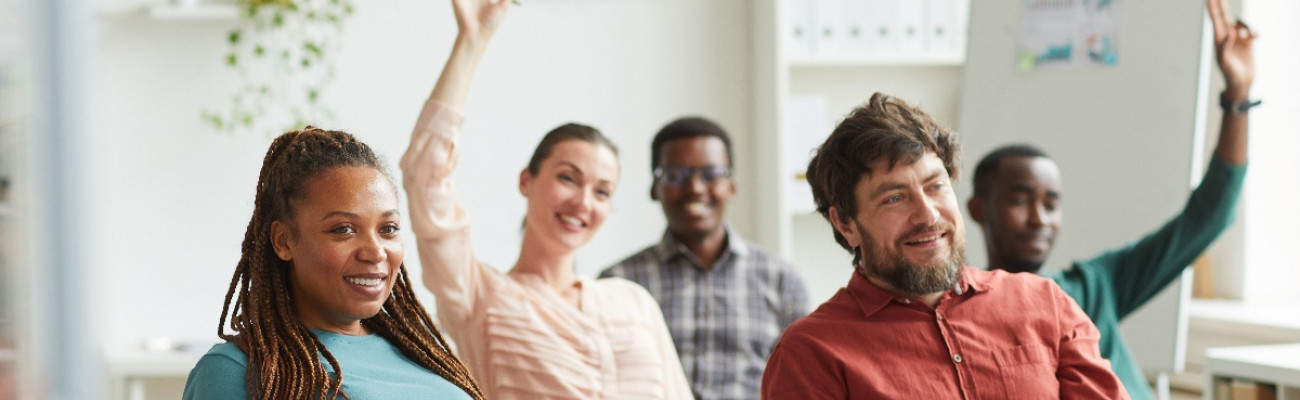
517,336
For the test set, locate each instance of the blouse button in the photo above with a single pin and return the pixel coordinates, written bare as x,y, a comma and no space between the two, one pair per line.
956,358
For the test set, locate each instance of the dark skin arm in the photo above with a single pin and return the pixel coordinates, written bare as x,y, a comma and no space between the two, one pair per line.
1233,51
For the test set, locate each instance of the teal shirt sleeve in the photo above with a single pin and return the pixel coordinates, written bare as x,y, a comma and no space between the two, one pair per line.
1140,270
1112,285
219,374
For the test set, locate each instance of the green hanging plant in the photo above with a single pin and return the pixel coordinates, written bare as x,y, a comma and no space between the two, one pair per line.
283,51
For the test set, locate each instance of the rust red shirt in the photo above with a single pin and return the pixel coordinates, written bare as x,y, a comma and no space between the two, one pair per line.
996,336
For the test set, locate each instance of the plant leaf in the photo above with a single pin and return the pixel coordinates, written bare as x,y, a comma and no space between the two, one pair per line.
312,48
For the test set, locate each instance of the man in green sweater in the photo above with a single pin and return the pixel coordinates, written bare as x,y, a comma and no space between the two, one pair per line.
1017,189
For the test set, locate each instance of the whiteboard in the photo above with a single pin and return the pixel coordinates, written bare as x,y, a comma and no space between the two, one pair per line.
1127,139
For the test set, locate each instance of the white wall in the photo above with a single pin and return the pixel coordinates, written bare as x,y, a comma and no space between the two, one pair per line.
174,196
1269,214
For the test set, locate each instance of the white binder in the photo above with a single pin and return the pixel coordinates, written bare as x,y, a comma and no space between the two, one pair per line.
798,31
910,24
831,40
856,20
939,35
883,32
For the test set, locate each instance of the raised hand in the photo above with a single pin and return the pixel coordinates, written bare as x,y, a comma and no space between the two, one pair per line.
478,19
1233,49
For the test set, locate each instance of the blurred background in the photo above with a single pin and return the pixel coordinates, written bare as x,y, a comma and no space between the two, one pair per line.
132,132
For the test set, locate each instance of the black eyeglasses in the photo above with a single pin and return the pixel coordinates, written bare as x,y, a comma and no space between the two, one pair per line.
678,175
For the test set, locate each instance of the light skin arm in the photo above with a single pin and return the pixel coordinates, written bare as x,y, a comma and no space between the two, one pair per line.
1235,55
477,21
437,219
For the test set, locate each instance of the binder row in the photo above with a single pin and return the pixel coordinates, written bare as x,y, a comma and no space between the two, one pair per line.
875,29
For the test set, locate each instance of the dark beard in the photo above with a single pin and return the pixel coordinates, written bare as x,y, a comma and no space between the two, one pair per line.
934,277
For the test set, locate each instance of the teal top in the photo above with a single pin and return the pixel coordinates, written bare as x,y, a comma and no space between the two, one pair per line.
1112,285
372,369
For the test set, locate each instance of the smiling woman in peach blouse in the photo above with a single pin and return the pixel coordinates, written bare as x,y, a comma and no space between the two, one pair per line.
538,331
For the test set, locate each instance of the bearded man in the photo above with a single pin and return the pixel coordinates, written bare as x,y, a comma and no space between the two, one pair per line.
914,322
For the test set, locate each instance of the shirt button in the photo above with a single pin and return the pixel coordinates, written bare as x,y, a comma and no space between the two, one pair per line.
939,316
956,358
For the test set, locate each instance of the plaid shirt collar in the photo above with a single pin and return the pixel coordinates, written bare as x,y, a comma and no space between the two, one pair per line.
669,248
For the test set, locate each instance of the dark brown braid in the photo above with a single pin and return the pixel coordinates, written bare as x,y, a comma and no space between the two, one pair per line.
284,356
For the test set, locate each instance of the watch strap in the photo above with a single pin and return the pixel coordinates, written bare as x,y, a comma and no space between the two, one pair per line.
1237,107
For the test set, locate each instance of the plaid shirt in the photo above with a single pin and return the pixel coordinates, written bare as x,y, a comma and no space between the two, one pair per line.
724,320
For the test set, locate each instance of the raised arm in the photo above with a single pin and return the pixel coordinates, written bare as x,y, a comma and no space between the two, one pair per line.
1234,53
478,21
440,224
1142,269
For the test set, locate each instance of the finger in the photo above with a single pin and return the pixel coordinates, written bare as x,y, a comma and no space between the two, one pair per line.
1225,14
1243,35
1217,19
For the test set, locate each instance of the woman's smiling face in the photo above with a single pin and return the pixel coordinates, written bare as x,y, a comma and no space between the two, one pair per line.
569,197
344,247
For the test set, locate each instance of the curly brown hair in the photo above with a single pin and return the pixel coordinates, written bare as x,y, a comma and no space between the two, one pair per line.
884,128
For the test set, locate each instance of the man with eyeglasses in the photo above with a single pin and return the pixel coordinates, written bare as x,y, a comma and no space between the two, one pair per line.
726,301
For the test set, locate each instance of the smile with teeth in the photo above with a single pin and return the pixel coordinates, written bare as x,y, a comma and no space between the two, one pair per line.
572,221
697,207
364,281
926,239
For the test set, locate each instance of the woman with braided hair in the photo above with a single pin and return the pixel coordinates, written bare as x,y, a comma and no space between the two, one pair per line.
538,331
320,304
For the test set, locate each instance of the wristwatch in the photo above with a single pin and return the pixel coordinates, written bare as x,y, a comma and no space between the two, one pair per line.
1237,107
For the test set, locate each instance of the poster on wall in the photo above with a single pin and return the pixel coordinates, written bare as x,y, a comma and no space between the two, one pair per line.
1068,34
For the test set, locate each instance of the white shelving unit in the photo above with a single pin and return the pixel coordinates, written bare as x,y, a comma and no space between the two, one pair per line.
178,11
786,73
953,60
129,370
197,11
1276,365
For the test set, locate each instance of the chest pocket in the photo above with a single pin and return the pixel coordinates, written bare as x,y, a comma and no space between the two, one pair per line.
1028,372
